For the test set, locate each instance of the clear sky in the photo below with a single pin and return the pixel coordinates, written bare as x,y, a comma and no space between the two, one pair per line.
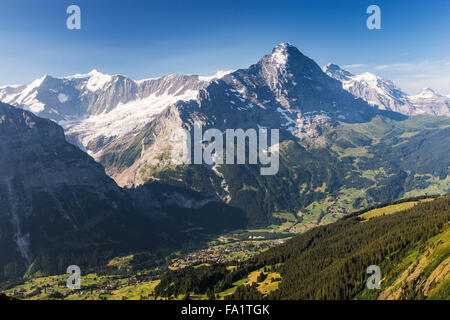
145,39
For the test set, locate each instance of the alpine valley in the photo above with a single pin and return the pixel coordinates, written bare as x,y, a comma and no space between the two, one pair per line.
87,178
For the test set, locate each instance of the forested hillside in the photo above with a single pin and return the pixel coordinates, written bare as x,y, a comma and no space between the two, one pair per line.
412,248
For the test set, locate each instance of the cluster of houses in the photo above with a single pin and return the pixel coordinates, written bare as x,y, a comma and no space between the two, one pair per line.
237,251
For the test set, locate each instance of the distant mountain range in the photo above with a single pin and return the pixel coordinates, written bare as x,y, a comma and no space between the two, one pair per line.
338,153
96,109
385,95
100,113
81,96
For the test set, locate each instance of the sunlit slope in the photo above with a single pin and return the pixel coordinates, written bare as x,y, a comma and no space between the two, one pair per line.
411,247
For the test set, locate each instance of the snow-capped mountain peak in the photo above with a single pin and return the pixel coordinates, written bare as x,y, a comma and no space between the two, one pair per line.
426,93
92,81
337,72
81,95
97,80
368,77
93,107
218,75
349,78
280,54
102,113
385,95
429,101
285,87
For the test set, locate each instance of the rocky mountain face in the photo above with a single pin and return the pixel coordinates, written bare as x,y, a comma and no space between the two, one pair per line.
385,95
323,129
83,95
95,107
430,102
48,188
292,82
58,207
285,89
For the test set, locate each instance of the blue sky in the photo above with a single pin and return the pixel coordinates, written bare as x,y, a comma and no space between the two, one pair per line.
146,39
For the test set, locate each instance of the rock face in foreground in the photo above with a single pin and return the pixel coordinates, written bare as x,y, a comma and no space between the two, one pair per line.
49,189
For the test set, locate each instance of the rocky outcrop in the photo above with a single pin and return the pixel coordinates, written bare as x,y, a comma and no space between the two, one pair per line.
48,189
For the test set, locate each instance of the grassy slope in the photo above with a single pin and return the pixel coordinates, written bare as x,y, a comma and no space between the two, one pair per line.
427,275
390,209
